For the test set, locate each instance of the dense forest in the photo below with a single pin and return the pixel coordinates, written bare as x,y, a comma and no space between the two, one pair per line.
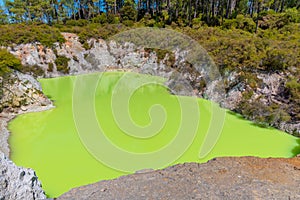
183,12
247,37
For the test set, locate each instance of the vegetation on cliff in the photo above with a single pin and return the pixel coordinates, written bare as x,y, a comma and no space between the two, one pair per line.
245,37
23,34
8,62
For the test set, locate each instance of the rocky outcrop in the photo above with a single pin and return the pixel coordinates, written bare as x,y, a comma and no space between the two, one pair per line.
181,78
4,134
21,94
221,178
17,183
103,56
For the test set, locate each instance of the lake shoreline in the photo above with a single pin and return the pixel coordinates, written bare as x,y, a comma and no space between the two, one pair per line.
61,93
16,181
7,116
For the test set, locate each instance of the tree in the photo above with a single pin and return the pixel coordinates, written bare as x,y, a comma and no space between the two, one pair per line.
128,12
3,16
17,10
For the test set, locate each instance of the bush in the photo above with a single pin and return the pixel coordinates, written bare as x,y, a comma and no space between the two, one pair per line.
147,20
62,64
101,19
112,19
80,22
22,34
128,23
294,88
34,70
8,62
97,31
292,15
241,22
264,115
86,46
128,13
50,67
275,60
272,20
197,23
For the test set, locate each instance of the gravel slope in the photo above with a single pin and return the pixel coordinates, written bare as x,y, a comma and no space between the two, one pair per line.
221,178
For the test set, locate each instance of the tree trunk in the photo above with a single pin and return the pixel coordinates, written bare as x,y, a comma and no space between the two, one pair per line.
258,11
282,5
213,9
251,8
148,6
228,8
196,8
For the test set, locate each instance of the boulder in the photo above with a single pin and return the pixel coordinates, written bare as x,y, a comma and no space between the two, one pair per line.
18,183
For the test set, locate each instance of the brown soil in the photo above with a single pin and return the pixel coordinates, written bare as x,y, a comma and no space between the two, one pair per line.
221,178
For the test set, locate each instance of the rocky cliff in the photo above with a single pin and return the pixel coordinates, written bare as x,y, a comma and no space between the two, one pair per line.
18,183
21,94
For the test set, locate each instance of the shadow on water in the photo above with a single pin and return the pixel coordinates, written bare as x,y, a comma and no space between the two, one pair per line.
296,150
239,116
263,125
256,124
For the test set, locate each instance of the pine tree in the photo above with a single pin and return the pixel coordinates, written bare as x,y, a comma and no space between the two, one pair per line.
17,10
3,16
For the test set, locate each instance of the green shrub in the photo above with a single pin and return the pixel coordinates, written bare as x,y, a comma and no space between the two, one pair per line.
86,46
292,15
272,20
197,23
294,88
101,19
275,60
22,34
241,22
264,115
128,23
34,70
112,19
128,13
50,67
80,22
8,62
147,20
62,64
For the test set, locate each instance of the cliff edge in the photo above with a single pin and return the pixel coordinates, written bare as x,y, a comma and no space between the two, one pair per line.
220,178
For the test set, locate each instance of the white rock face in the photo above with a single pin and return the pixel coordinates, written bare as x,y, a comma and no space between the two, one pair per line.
17,183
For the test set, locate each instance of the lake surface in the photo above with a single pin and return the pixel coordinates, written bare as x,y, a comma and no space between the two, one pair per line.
67,149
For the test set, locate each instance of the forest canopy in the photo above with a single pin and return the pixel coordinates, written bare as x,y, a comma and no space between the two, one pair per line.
161,12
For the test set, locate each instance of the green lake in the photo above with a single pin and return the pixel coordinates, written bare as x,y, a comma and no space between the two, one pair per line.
64,146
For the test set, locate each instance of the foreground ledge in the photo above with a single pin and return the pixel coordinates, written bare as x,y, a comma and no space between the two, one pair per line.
221,178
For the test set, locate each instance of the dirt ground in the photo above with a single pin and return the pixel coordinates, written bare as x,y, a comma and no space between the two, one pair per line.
221,178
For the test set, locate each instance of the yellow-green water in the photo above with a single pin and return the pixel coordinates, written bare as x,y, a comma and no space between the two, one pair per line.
51,142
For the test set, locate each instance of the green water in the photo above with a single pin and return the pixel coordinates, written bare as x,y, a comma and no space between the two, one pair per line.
52,143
